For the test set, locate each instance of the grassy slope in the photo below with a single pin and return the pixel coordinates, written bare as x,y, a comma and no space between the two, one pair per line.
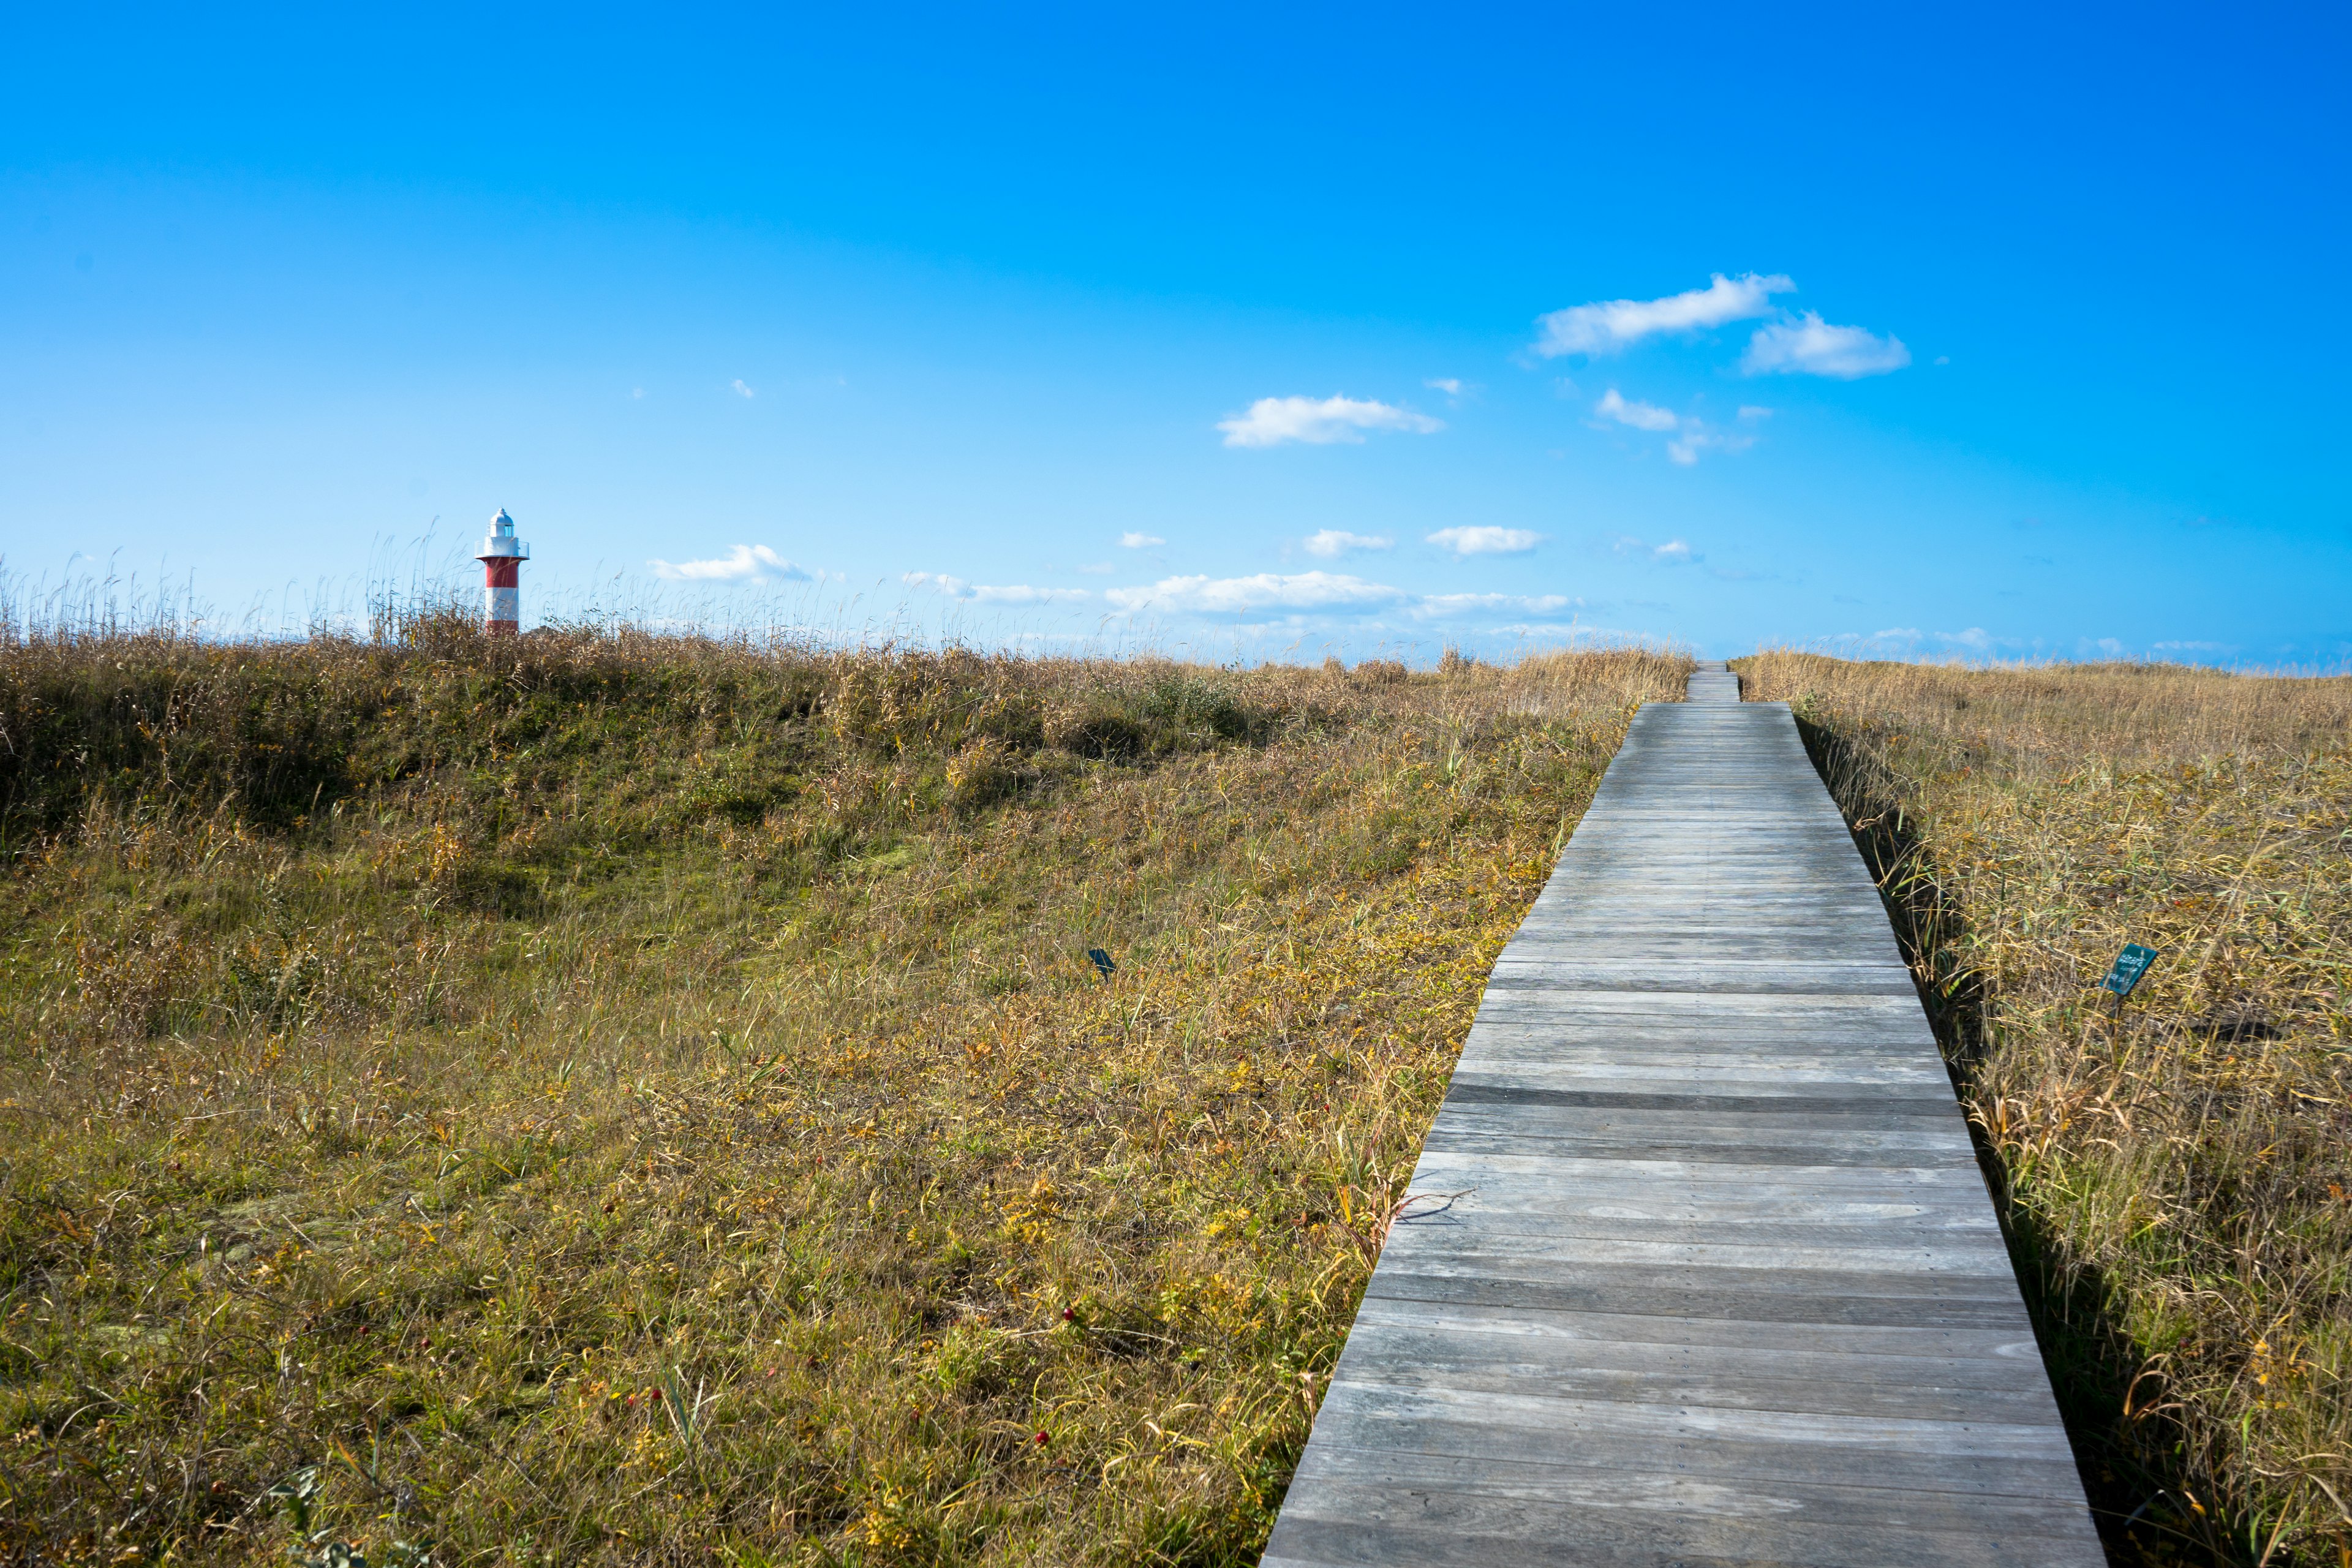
2179,1189
625,1099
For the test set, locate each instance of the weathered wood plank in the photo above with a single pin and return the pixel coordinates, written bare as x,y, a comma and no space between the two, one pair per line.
1445,1362
1507,1205
1940,1358
1446,1137
1459,1530
1705,1272
1602,1487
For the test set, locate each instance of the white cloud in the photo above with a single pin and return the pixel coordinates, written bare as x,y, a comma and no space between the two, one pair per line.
1271,421
1140,540
983,594
1754,411
1450,386
1611,326
1331,543
745,562
1674,552
741,390
1022,594
1811,346
1485,539
1308,592
1575,631
1266,590
1693,436
1908,641
1431,605
1640,416
1698,437
636,392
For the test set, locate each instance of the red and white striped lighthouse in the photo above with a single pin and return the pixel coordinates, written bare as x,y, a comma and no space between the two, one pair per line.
502,557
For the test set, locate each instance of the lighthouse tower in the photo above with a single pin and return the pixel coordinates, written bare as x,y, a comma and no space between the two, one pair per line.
502,555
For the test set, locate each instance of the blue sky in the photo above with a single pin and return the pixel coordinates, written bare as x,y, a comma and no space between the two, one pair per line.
1319,330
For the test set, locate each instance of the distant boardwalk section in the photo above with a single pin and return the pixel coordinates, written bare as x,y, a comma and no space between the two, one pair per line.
1706,1274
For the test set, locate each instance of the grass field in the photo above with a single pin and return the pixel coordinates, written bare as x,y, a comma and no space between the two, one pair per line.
602,1097
2177,1185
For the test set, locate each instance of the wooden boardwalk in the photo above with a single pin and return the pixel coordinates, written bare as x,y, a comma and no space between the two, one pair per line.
1719,1282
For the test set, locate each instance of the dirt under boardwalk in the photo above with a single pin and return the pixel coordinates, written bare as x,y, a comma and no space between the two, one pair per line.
1703,1271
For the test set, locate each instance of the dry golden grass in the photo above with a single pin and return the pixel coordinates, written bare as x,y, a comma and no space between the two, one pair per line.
2178,1188
612,1099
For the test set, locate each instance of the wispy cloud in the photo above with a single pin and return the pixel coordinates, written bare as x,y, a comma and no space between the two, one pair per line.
1020,594
1612,326
741,390
1672,552
1271,421
1912,640
1452,386
1133,540
1430,607
1099,568
1811,346
1271,600
1697,436
1485,539
1754,411
1011,595
1640,416
1333,542
1692,433
744,563
1265,591
1305,594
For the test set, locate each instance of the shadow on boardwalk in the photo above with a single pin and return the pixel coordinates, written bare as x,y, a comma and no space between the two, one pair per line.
2094,1363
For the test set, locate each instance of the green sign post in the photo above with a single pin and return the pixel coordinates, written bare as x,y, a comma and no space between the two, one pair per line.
2130,964
2123,977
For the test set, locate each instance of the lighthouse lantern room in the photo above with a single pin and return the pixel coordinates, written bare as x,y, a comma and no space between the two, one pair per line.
502,555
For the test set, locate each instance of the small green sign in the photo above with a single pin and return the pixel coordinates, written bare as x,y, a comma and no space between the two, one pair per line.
2130,964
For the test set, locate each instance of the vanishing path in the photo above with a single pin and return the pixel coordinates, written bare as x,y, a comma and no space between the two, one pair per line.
1721,1283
